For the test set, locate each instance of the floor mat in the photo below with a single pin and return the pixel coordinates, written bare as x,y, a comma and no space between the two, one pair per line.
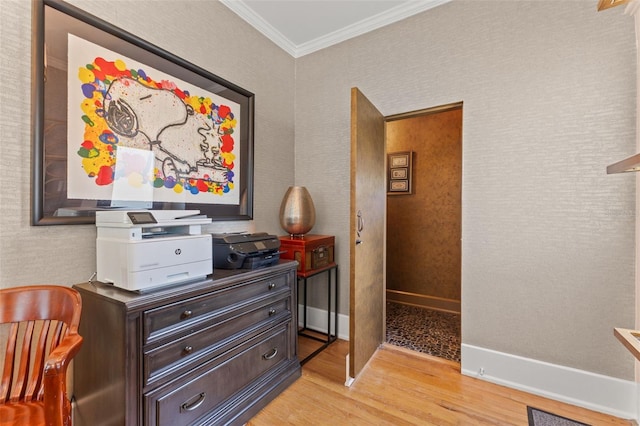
543,418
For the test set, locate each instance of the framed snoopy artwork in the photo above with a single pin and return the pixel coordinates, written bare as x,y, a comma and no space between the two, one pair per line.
119,123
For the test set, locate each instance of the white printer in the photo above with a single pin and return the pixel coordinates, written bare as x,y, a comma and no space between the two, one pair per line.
141,249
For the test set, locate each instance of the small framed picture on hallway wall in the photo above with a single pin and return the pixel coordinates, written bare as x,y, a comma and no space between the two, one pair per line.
399,175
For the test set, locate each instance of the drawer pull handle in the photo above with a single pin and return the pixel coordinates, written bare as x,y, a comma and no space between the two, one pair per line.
190,406
271,354
188,349
186,314
272,286
272,312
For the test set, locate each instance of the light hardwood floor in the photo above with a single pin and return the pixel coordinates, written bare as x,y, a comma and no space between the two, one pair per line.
401,387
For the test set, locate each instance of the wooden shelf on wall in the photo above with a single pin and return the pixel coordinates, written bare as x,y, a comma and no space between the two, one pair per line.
607,4
630,340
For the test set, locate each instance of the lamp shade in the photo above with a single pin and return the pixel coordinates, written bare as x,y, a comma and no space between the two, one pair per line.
297,212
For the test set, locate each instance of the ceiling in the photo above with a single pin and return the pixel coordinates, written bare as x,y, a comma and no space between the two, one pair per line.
301,27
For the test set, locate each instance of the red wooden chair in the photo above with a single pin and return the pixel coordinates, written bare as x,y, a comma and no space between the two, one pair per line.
40,327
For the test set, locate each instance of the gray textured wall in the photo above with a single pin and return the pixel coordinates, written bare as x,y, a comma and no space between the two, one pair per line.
549,100
205,33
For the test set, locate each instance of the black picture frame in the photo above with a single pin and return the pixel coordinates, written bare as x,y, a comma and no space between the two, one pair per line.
52,21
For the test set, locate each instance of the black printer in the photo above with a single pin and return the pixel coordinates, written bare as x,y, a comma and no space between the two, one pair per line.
246,251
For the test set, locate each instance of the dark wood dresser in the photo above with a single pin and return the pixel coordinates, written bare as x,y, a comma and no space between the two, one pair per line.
204,353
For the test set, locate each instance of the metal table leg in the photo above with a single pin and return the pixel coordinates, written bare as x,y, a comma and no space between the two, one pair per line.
330,338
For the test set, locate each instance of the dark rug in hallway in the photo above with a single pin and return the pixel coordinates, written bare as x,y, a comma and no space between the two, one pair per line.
544,418
424,330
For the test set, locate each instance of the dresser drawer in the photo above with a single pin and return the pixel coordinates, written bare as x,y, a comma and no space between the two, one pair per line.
184,404
187,313
198,347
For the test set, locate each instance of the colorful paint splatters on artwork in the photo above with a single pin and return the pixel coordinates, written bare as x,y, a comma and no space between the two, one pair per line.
191,136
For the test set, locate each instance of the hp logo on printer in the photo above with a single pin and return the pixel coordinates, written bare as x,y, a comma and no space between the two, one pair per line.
177,252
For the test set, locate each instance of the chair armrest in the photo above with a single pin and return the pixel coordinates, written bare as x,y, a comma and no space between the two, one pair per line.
57,407
58,360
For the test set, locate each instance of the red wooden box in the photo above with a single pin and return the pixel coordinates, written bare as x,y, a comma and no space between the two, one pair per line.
311,251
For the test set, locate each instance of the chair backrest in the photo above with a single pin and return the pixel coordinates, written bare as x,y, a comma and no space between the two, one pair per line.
33,321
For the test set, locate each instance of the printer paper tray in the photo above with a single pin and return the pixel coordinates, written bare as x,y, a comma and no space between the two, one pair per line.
141,280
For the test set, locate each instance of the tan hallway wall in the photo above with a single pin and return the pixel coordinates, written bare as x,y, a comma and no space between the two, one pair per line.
424,228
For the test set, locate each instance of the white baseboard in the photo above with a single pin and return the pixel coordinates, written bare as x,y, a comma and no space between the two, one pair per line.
596,392
317,321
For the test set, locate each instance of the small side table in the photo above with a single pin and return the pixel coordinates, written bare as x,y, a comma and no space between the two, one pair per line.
303,276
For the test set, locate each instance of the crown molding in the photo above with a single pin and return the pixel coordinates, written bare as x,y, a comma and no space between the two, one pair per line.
366,25
256,21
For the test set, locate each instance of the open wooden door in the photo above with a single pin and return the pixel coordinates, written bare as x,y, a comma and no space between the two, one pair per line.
368,233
